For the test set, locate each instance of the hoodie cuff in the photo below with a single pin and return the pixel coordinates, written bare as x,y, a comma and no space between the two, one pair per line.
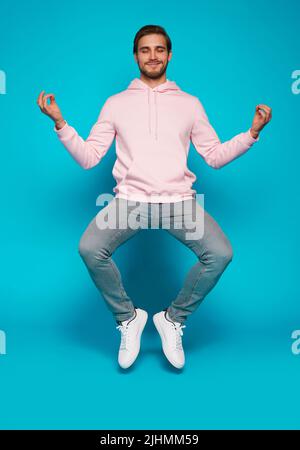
250,138
58,131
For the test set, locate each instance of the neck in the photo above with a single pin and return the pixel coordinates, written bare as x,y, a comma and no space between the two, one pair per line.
153,83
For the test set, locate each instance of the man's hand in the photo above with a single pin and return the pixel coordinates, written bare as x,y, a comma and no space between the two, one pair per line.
263,115
51,110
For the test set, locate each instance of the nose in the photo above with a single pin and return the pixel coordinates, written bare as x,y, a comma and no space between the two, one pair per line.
153,56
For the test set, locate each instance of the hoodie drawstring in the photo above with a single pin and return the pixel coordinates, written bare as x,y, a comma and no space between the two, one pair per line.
138,85
149,113
155,115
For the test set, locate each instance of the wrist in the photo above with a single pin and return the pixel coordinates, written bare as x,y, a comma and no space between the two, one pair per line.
254,133
59,123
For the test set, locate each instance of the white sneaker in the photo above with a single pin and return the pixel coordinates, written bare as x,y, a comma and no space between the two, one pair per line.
170,333
131,331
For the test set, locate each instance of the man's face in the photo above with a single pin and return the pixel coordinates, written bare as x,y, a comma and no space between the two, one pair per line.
152,56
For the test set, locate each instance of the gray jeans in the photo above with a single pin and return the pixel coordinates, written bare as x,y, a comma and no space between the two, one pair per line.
212,248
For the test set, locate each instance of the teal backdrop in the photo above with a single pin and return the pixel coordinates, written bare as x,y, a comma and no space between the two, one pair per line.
60,366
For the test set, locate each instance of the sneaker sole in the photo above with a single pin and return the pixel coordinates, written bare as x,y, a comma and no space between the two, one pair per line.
140,331
157,323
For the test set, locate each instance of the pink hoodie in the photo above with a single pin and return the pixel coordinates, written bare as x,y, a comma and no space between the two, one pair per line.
153,129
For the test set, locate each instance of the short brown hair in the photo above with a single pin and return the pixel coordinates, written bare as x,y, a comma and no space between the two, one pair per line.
151,29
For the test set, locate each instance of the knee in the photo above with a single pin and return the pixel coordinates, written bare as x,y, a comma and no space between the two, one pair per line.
225,254
222,255
90,253
84,248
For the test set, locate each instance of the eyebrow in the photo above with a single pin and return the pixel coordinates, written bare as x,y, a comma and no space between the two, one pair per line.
157,46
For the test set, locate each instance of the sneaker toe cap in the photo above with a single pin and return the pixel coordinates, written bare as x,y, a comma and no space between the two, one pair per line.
126,359
177,359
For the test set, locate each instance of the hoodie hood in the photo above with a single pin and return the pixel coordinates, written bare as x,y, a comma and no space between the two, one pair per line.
138,85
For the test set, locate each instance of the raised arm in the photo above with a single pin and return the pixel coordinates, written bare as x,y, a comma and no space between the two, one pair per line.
88,153
208,144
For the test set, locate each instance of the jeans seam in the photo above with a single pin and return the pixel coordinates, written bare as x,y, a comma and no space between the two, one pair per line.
123,293
197,279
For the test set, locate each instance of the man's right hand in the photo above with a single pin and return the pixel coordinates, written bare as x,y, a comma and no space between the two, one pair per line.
51,110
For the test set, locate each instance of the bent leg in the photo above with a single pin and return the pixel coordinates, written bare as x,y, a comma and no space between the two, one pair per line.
96,247
214,252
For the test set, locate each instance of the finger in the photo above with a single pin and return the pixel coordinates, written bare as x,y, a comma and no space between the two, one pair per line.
268,117
265,111
265,107
260,108
45,104
45,100
260,105
262,112
39,100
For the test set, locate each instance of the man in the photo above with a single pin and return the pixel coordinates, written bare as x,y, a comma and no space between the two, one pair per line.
153,122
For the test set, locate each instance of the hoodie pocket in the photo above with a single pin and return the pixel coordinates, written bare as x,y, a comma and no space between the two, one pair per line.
156,172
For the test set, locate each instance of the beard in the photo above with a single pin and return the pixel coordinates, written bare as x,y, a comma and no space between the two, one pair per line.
153,73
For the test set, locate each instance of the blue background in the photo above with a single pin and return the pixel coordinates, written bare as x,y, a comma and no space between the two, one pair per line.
61,370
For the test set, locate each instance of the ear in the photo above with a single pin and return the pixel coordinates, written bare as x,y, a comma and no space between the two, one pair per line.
170,55
135,57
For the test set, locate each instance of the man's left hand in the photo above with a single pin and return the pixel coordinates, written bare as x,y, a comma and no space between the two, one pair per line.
262,116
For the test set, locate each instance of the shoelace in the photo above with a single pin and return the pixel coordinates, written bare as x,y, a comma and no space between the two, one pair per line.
123,329
178,333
